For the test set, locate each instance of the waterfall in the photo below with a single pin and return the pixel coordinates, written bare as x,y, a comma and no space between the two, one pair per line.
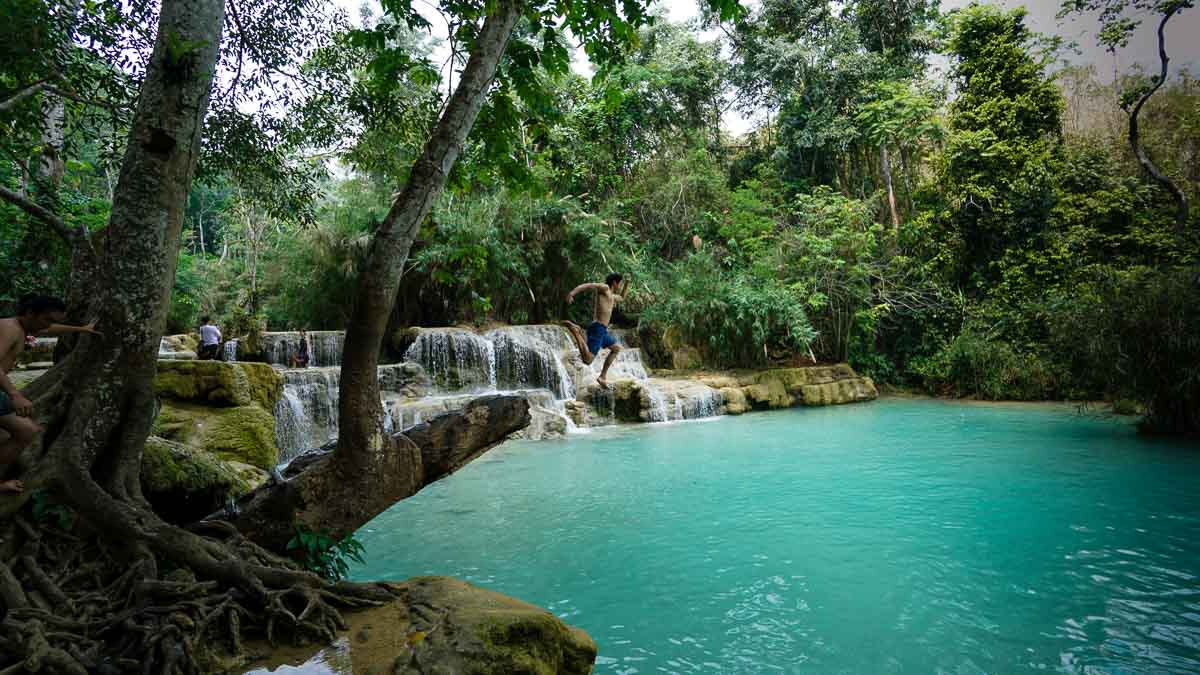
324,347
306,416
657,410
527,359
628,365
230,350
455,365
456,359
293,427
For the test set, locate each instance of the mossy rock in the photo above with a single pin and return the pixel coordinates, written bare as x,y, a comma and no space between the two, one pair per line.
443,626
184,484
219,383
239,434
735,401
184,342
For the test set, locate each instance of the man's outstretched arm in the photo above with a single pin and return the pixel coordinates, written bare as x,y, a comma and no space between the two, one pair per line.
63,329
581,288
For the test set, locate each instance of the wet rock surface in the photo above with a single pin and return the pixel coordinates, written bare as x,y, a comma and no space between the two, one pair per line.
444,626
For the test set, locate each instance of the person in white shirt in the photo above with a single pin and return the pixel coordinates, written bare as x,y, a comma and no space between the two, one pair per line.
210,339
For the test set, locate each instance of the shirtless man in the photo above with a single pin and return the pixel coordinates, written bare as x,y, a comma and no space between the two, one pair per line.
36,314
598,337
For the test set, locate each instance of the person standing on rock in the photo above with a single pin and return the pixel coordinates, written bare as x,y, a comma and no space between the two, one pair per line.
598,337
36,314
210,339
300,360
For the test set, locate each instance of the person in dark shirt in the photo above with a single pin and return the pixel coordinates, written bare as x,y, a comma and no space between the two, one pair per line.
300,360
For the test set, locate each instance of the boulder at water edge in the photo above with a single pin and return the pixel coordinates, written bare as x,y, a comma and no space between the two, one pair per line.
445,626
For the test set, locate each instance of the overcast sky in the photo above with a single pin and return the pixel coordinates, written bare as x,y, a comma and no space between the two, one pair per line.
1183,38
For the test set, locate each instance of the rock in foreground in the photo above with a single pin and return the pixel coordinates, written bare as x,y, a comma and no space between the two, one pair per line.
441,625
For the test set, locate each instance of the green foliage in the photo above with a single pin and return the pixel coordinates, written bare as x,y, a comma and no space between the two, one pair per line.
324,555
183,314
1137,333
46,510
999,165
737,316
978,365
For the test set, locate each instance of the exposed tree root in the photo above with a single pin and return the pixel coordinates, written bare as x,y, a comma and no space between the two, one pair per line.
73,606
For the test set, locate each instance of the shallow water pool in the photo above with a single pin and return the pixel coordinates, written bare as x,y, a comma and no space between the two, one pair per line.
897,536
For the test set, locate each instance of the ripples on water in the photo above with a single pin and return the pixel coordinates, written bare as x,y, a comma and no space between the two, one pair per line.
899,536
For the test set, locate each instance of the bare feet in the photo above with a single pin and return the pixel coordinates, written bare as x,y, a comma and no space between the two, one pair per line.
12,487
602,382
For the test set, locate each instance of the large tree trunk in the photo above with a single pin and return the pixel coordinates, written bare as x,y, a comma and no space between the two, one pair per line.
365,456
1182,205
106,414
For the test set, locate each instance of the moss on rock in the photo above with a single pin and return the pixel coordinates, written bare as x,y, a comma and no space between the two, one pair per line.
242,434
442,625
184,484
219,383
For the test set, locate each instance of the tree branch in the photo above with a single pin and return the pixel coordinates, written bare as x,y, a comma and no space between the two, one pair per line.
1181,199
65,93
43,214
22,95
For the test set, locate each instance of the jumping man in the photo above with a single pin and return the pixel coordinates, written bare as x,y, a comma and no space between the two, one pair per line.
598,337
36,314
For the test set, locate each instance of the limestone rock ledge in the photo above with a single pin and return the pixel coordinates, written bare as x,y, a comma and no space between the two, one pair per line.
788,387
675,395
443,626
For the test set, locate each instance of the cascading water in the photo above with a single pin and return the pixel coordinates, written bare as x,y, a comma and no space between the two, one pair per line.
455,359
324,347
658,406
230,351
455,365
306,416
527,360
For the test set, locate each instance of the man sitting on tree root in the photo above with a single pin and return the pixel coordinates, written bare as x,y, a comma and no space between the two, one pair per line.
36,314
598,337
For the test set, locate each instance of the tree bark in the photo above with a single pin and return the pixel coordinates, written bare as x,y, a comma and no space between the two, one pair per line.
1183,207
315,494
885,166
363,449
105,417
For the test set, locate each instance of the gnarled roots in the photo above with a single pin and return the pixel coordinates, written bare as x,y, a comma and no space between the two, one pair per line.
77,605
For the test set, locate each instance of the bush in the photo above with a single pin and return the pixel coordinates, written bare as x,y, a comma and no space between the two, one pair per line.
738,317
1138,333
974,365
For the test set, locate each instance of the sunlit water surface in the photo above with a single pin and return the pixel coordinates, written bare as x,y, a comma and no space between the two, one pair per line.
898,536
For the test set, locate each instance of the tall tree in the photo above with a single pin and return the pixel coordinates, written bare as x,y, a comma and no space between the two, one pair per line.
1005,127
1117,24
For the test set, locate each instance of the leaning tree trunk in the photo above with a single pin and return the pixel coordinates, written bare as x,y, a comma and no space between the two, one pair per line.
369,470
1182,204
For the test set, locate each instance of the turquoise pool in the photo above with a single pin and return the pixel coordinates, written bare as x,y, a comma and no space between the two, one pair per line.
899,536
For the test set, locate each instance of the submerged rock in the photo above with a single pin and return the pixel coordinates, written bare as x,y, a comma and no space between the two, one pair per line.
445,626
